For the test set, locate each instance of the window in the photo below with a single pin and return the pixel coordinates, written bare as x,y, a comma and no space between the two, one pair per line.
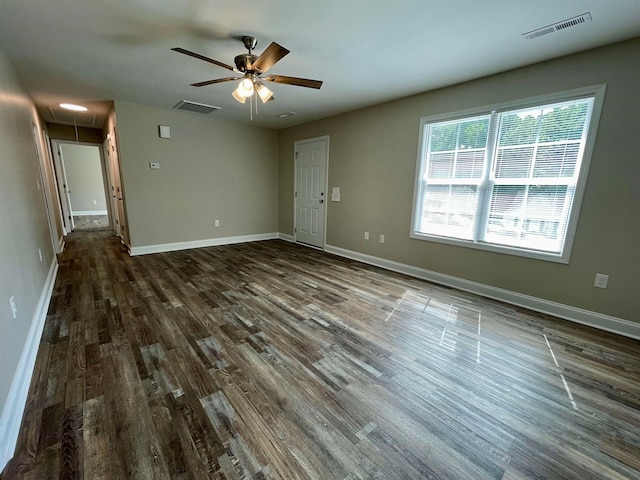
509,178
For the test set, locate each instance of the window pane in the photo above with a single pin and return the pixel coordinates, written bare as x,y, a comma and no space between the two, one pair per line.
443,137
440,165
473,133
529,216
552,134
563,122
505,207
546,202
556,160
514,162
518,128
470,164
448,210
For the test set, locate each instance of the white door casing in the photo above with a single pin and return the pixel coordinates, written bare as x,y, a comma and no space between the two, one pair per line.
310,202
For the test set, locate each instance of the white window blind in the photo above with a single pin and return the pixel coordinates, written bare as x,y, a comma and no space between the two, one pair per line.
506,178
452,177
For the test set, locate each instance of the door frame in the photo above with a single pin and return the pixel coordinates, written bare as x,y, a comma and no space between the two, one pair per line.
61,175
112,202
115,162
324,138
45,185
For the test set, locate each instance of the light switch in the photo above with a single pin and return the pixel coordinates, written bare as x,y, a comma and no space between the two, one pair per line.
335,194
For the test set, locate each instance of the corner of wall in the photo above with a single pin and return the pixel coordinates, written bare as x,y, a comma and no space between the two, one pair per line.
11,417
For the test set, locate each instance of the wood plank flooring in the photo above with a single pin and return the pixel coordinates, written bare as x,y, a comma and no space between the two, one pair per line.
90,222
272,361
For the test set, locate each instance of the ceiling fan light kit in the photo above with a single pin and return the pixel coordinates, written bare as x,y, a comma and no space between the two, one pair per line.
252,67
264,93
238,96
245,88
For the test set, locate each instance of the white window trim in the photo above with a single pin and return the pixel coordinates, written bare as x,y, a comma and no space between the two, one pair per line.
597,91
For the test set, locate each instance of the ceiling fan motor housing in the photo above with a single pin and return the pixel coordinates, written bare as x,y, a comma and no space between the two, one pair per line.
245,61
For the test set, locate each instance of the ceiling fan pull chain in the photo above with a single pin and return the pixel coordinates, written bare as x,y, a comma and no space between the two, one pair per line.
255,95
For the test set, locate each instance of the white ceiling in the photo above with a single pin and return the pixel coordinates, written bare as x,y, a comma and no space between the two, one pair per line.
365,51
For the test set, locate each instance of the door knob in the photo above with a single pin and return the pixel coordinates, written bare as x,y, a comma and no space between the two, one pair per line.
322,200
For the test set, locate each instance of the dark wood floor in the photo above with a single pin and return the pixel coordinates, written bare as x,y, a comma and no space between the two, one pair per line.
269,360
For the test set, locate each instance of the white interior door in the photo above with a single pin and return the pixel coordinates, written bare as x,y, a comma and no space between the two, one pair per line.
63,187
310,191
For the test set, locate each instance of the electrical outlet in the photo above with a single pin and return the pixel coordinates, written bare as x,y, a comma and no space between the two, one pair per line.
154,166
40,253
95,202
366,235
14,308
601,280
217,223
381,238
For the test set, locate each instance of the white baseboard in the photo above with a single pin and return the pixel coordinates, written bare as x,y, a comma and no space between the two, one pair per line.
16,401
84,213
209,242
61,244
567,312
286,237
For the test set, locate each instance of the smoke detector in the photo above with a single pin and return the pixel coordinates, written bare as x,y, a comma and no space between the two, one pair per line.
561,25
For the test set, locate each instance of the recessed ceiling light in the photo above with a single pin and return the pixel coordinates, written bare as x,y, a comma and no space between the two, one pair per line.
286,114
75,108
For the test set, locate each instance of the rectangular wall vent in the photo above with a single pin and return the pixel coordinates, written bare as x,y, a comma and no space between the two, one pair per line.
569,22
195,107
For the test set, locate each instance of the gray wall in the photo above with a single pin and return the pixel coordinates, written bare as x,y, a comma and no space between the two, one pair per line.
83,167
373,157
209,169
23,220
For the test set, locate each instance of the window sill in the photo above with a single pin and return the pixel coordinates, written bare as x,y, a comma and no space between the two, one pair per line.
519,252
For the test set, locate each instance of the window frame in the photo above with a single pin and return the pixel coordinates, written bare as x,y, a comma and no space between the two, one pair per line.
595,91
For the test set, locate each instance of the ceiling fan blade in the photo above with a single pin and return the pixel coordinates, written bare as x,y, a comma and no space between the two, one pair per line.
202,57
301,82
217,80
269,57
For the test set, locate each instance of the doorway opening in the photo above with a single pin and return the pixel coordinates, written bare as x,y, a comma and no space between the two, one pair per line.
82,186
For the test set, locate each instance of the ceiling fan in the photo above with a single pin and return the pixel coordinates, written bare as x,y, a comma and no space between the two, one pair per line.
252,68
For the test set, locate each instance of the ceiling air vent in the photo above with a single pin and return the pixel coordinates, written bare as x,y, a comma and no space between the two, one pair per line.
569,22
195,107
66,117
